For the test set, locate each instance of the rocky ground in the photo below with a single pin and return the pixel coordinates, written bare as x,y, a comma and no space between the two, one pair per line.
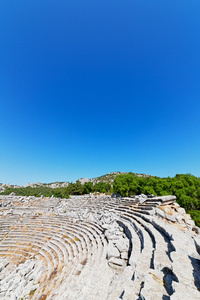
98,247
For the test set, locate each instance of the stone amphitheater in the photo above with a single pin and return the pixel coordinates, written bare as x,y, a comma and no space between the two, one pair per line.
98,247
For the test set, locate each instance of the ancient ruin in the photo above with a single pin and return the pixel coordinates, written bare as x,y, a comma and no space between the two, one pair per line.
98,247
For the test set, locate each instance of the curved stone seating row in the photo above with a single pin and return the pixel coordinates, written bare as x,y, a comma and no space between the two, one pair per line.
144,260
162,245
87,237
155,236
159,239
75,244
83,229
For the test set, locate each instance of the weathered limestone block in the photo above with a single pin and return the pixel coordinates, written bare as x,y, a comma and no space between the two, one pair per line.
111,236
168,199
179,218
122,244
190,222
105,226
142,198
197,243
170,218
124,255
153,286
116,262
181,210
160,212
176,205
184,292
112,251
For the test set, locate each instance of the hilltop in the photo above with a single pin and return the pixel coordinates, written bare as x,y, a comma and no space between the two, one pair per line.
107,178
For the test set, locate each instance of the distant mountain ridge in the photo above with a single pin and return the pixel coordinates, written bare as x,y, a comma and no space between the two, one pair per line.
109,177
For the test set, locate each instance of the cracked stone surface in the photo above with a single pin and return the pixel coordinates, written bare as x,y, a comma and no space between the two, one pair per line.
98,247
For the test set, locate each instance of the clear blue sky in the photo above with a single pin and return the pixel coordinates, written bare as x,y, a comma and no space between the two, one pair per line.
90,87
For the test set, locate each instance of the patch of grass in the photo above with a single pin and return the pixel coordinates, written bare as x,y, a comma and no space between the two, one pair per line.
53,274
32,292
84,262
43,297
22,260
65,236
60,268
195,215
78,273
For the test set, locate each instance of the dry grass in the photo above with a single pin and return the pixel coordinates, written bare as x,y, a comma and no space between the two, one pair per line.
84,262
25,228
157,279
43,297
78,273
53,274
45,279
60,268
65,236
22,260
32,292
167,209
179,226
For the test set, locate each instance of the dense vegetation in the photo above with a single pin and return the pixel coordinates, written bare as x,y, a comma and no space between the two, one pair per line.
36,191
185,187
72,189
